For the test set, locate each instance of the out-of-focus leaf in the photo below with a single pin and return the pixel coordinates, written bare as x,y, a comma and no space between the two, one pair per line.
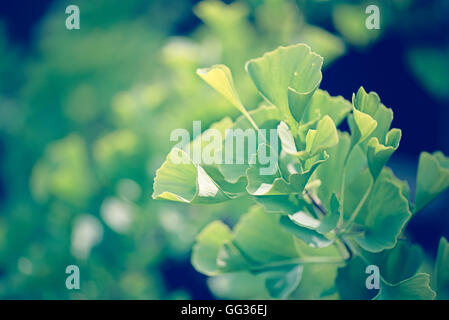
323,42
287,204
429,65
432,178
349,20
238,285
309,236
441,272
206,248
281,282
63,172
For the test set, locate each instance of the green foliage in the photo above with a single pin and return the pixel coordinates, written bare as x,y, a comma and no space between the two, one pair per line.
329,209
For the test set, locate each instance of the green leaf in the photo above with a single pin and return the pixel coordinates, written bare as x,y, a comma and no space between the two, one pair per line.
378,154
329,46
324,137
318,282
330,173
441,272
280,283
274,184
266,117
287,204
295,69
370,104
238,285
384,215
309,236
351,281
429,65
179,179
287,140
206,248
357,182
349,21
219,77
414,288
230,259
362,125
399,263
331,220
323,104
260,236
432,178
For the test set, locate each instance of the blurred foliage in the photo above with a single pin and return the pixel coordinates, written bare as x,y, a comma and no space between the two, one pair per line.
85,119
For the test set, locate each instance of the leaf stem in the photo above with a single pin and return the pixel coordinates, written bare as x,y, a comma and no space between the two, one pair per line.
357,209
315,202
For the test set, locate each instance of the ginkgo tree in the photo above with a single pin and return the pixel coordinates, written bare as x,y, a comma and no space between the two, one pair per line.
330,208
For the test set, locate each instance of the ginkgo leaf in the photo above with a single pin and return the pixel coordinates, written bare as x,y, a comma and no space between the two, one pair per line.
351,281
280,283
287,140
295,67
274,184
207,246
432,178
362,126
378,154
398,263
384,214
441,272
330,173
414,288
259,235
219,77
309,236
369,103
324,137
324,104
179,179
266,118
